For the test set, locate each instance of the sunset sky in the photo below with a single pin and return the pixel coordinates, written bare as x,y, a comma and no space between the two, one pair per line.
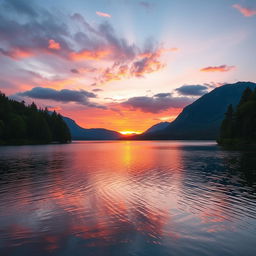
123,64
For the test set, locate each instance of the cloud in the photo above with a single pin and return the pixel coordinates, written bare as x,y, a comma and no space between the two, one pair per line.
163,95
65,96
23,7
17,53
158,103
80,19
145,4
145,62
57,42
89,55
221,68
31,36
247,12
74,70
121,50
103,14
192,90
97,90
53,45
148,64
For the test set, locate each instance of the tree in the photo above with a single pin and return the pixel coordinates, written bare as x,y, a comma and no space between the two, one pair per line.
245,96
17,128
228,124
1,130
28,124
239,127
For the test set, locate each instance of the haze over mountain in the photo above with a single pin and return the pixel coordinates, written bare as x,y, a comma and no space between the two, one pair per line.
202,118
79,133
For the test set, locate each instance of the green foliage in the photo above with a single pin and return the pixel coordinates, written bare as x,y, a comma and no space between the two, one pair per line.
21,124
239,126
228,123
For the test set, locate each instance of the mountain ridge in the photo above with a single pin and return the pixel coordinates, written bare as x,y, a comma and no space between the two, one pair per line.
80,133
157,127
202,118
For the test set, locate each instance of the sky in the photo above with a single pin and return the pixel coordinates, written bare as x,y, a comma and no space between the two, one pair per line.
123,65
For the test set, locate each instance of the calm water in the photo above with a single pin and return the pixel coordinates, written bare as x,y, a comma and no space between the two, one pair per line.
127,198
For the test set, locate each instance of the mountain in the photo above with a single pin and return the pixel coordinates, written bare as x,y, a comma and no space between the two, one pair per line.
79,133
202,118
157,127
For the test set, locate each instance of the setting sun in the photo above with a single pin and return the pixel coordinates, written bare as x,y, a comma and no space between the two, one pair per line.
129,132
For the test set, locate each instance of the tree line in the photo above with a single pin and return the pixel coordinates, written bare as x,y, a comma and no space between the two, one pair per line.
239,125
26,124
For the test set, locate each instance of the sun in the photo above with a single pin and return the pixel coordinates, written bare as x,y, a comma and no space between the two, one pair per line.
130,132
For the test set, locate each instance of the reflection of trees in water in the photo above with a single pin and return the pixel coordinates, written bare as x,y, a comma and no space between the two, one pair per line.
243,165
13,170
246,164
228,168
217,184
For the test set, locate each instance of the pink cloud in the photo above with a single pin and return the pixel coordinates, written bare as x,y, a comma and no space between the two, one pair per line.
53,45
221,68
89,55
17,53
141,64
103,14
247,12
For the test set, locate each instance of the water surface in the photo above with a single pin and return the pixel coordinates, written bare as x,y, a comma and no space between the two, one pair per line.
127,198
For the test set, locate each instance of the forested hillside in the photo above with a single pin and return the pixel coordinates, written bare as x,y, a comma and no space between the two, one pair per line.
239,126
21,124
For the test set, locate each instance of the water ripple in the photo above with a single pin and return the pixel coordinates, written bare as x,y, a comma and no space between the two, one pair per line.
127,198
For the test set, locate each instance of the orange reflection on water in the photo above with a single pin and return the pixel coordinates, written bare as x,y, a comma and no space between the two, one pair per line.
105,192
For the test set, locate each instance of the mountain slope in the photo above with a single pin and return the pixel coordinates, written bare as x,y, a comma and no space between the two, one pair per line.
202,118
157,127
79,133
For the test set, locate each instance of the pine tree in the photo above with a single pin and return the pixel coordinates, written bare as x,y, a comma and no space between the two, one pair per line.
28,124
239,127
17,127
245,96
227,125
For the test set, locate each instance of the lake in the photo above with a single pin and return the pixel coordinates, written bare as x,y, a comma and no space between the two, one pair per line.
151,198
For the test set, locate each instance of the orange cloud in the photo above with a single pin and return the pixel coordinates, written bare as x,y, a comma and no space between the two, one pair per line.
222,68
247,12
115,73
89,55
148,62
54,45
103,14
17,53
141,64
21,54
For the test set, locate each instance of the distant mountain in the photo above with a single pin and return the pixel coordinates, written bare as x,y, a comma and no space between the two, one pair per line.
202,118
79,133
157,127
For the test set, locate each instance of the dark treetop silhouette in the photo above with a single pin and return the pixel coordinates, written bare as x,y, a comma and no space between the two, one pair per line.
239,125
21,124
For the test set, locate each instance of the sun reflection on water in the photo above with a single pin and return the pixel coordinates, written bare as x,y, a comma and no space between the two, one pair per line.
108,194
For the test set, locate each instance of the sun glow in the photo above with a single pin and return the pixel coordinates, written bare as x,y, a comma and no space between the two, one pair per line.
130,132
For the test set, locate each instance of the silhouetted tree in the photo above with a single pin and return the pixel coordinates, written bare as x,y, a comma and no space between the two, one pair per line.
227,125
20,124
17,127
239,127
1,129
